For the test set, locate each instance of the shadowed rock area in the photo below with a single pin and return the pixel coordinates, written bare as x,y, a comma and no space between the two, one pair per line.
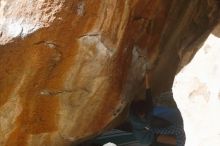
69,68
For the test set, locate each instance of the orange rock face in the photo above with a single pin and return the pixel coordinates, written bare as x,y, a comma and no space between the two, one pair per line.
68,68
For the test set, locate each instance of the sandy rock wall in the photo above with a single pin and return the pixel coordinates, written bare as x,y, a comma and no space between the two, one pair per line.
68,68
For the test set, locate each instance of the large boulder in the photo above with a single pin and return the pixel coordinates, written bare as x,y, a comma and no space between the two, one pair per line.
68,68
197,92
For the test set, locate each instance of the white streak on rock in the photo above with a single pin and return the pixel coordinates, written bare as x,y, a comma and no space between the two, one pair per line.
22,17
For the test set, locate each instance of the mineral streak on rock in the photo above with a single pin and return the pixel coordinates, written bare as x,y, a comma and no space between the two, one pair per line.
68,68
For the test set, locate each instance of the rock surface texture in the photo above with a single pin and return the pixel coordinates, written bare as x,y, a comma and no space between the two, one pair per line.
68,68
197,92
